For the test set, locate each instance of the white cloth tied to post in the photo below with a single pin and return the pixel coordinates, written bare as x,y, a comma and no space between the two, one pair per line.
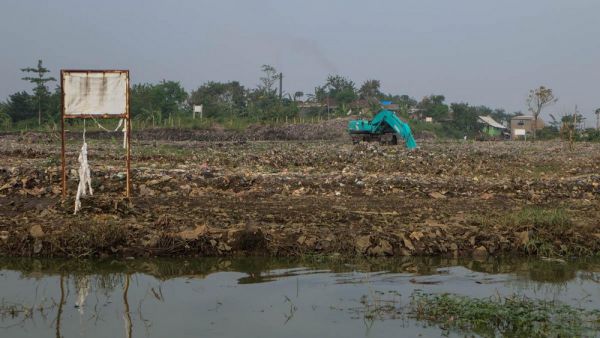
85,176
122,122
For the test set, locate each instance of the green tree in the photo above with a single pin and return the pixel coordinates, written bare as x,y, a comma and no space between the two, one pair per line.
341,88
5,119
434,106
555,123
52,106
338,89
502,116
220,99
370,90
572,121
537,100
268,81
40,89
20,106
405,102
157,101
172,97
570,125
320,94
142,100
263,102
465,118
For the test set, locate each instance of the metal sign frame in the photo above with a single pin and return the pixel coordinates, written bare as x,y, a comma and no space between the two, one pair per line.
126,115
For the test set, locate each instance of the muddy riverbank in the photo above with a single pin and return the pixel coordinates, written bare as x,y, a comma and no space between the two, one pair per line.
295,198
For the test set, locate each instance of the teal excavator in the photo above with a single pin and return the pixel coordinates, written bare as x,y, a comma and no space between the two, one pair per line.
385,127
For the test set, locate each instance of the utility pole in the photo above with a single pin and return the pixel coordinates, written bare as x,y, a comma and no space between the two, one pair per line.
280,86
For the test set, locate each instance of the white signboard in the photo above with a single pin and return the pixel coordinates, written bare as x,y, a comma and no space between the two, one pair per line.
197,109
520,132
95,92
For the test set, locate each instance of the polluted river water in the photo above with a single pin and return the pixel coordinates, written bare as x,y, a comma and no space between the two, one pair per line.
264,297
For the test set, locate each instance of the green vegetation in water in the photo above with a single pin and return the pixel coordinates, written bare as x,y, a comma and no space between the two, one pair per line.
514,316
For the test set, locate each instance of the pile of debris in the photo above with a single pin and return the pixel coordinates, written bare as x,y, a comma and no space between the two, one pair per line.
297,198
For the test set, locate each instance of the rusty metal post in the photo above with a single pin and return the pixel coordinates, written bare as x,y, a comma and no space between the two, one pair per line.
62,136
128,128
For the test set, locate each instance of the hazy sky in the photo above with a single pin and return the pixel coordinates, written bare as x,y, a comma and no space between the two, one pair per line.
478,51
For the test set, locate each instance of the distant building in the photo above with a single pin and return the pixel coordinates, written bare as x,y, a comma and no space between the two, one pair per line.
417,114
521,126
491,128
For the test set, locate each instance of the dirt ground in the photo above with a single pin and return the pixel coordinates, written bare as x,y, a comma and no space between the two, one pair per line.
300,197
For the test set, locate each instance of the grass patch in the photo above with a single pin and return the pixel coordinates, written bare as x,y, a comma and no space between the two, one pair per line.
550,230
540,218
555,220
89,239
514,317
545,169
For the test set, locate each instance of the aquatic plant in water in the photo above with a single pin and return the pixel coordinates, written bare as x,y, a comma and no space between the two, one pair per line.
512,316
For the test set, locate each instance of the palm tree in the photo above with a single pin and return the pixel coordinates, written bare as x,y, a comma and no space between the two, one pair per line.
598,119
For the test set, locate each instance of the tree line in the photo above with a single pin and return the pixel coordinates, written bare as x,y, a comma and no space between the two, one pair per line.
159,104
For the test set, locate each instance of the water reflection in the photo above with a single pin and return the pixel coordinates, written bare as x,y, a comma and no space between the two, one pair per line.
89,297
60,305
260,270
127,315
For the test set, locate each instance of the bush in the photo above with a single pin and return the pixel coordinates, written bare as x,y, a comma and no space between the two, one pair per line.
547,133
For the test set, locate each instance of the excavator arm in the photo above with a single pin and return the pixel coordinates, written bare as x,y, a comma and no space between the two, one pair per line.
402,129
